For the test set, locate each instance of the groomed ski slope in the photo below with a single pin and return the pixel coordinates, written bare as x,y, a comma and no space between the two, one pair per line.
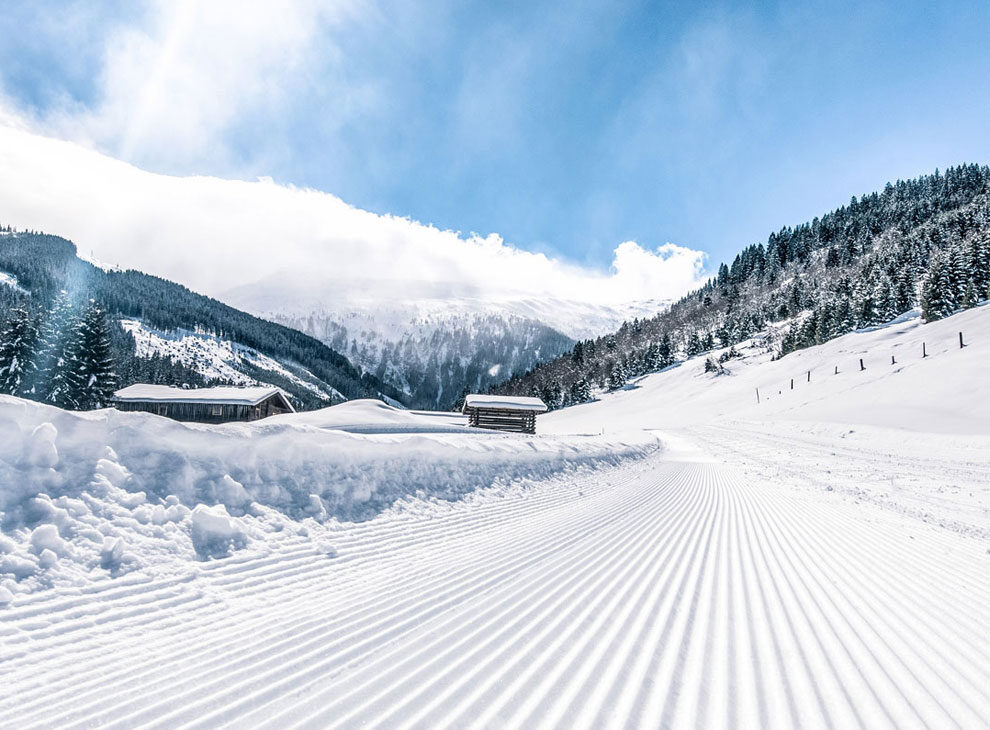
765,569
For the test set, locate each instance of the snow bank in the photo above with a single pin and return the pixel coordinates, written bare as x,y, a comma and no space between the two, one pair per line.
110,492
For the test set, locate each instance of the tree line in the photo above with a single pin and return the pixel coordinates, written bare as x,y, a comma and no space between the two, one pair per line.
918,243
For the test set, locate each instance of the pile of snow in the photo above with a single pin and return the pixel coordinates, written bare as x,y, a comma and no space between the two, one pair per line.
233,395
106,492
375,417
513,402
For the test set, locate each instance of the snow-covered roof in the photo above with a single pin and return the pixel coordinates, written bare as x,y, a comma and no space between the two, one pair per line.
515,402
247,396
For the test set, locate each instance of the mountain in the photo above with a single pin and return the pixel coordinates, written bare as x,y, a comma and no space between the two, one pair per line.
918,243
433,340
162,332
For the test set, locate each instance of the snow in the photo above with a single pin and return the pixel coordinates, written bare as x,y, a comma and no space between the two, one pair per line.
11,281
814,559
214,533
211,356
515,402
249,396
70,480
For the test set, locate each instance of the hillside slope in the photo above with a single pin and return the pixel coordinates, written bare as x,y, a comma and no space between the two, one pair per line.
38,266
918,243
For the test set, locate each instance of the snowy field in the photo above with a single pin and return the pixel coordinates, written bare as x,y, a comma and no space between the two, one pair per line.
673,555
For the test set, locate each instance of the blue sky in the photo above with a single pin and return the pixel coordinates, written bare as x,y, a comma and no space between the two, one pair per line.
566,128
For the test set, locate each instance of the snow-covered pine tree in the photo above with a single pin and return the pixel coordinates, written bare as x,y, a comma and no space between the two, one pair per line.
617,376
56,334
666,350
978,265
18,346
904,290
90,377
693,344
958,273
580,391
885,297
937,298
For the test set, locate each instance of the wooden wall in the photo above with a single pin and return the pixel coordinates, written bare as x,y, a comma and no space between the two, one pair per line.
206,412
502,419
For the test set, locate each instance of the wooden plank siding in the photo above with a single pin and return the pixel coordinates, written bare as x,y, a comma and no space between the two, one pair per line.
502,419
206,412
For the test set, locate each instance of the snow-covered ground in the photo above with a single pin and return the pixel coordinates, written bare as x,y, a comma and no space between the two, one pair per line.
11,281
213,357
817,559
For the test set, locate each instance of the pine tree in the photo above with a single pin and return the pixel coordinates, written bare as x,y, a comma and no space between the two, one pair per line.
18,346
666,350
617,377
56,333
580,391
90,378
937,299
903,291
884,296
693,344
978,265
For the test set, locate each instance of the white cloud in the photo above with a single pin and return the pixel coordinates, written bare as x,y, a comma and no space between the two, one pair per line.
174,86
213,234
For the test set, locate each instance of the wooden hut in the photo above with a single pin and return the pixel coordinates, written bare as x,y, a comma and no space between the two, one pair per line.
204,405
503,412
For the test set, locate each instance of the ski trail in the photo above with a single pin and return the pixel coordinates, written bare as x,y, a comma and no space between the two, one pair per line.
677,591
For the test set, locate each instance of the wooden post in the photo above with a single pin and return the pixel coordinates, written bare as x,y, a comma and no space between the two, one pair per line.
836,369
961,345
809,376
757,395
792,383
924,352
861,365
892,360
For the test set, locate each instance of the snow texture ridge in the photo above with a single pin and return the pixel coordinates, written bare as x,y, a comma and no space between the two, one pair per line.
817,558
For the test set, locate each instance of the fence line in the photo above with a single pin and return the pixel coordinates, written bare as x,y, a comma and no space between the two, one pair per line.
862,365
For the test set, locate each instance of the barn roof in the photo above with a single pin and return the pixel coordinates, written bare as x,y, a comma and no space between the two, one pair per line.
508,402
229,395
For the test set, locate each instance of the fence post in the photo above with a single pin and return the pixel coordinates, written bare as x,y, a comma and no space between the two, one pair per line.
961,345
892,360
924,351
836,369
792,383
861,365
757,395
809,376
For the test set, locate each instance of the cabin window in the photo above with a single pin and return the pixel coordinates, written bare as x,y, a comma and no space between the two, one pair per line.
216,410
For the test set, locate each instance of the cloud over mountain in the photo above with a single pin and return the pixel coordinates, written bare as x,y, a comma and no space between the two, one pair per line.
212,234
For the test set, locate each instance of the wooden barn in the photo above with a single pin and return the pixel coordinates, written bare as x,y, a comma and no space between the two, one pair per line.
503,412
204,405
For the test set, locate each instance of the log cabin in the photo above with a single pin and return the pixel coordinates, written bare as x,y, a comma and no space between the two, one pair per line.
503,412
204,405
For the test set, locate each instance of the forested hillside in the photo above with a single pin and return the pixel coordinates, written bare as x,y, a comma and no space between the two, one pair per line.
43,281
922,242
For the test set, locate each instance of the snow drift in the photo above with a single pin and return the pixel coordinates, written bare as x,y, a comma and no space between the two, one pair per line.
77,488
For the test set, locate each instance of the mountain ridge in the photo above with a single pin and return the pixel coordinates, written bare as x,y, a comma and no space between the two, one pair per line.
39,266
